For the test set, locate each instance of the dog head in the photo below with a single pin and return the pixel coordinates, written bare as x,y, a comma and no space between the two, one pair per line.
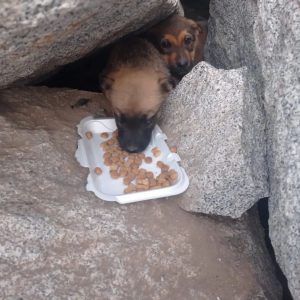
178,39
136,96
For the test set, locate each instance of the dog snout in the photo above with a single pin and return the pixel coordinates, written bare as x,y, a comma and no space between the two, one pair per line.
134,133
132,148
182,63
134,141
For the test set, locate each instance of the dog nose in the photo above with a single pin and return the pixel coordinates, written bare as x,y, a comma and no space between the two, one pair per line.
182,63
132,148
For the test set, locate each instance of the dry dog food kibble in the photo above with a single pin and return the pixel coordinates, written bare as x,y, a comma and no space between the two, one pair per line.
156,152
89,135
127,166
148,160
114,174
98,171
115,133
173,149
104,135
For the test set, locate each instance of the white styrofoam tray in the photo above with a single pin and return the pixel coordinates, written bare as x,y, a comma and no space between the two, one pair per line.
89,154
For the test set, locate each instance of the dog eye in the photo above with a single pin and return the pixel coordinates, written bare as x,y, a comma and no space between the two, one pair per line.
165,44
188,40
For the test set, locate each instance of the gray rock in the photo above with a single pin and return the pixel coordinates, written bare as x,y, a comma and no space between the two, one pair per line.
219,129
277,33
58,241
39,36
264,37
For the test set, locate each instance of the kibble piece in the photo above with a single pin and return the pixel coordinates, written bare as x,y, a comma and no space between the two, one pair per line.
162,177
115,159
114,167
155,187
141,188
138,160
114,174
141,155
104,135
173,149
142,174
130,160
166,183
145,182
152,182
160,164
131,188
134,166
135,171
139,181
124,153
104,145
149,175
127,164
98,171
107,155
127,190
165,168
115,133
148,160
142,171
123,172
110,142
173,175
162,182
156,152
108,162
89,135
127,180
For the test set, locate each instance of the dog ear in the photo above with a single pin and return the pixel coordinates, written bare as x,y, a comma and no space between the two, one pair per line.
202,25
199,26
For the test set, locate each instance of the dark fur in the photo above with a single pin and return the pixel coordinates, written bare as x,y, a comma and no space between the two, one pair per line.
180,56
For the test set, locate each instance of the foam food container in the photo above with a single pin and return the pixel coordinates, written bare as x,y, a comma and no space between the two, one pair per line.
90,155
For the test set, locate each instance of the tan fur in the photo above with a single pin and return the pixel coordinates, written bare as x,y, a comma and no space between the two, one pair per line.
136,92
172,39
135,78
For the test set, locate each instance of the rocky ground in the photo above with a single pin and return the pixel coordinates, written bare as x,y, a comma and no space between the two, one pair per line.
58,241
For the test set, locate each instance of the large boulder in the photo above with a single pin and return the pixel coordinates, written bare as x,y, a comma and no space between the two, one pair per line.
217,123
39,36
58,241
264,37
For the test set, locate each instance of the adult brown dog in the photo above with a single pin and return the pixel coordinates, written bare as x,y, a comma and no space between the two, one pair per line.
180,41
136,81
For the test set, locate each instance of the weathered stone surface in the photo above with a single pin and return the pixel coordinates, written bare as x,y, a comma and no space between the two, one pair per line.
264,36
219,129
38,36
277,34
58,241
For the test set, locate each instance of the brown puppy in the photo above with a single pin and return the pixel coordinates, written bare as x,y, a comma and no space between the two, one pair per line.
136,82
180,41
